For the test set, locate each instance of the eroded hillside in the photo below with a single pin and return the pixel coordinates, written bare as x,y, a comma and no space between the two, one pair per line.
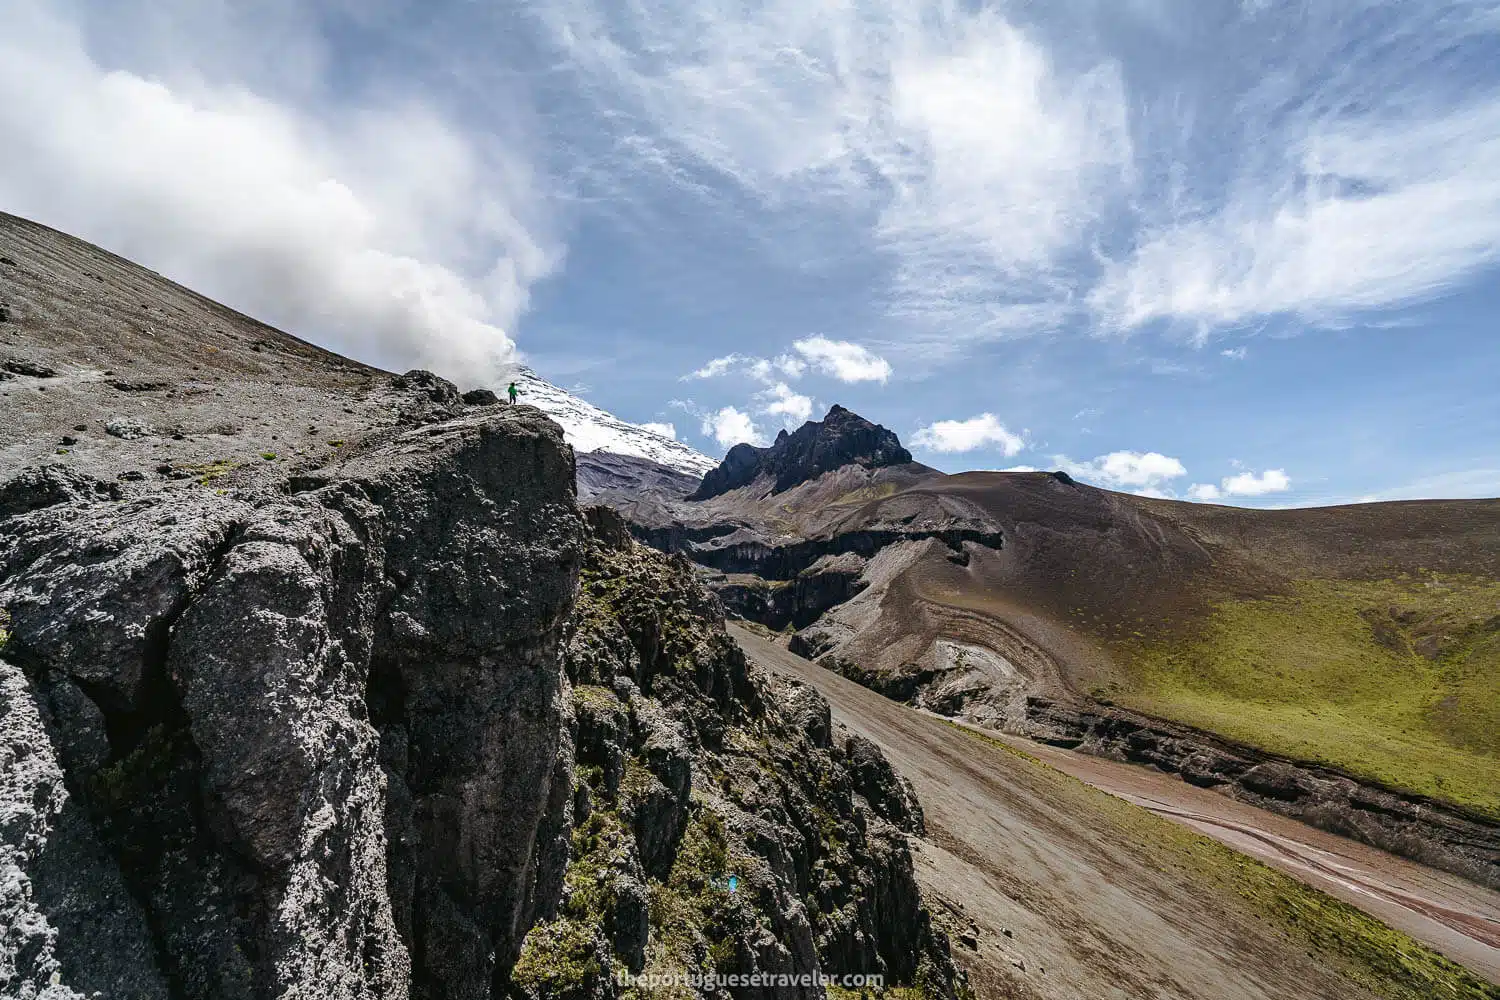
1338,665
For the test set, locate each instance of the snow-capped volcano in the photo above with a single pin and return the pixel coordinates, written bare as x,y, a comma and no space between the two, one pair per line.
588,428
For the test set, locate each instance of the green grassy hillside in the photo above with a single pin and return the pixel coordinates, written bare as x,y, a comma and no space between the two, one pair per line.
1396,680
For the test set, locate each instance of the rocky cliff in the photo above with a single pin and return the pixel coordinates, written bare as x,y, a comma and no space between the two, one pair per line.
320,740
294,744
722,823
839,439
288,652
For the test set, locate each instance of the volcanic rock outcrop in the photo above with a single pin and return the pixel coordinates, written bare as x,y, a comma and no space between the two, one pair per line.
313,739
839,439
316,708
322,743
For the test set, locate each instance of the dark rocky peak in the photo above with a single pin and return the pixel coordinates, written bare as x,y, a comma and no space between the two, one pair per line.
839,439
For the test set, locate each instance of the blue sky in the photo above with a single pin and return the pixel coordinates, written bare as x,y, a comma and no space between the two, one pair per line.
1236,251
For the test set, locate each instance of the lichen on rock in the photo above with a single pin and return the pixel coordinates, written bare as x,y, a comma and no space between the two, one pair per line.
699,769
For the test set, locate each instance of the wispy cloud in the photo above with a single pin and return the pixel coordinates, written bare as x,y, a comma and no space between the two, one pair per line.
1365,179
842,360
983,431
382,232
1464,484
717,367
839,359
949,139
1327,164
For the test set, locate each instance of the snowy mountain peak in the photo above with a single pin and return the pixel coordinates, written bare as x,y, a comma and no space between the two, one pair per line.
588,428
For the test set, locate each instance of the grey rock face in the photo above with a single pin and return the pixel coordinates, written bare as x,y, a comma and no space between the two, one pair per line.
369,736
319,738
481,397
36,488
727,827
67,926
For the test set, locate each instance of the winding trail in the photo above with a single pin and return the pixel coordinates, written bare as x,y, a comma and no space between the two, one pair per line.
1061,907
1449,914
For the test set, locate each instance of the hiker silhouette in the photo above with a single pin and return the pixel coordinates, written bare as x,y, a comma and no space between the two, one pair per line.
513,393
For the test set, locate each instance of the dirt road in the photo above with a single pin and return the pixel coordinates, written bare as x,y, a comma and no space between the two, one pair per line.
1064,898
1451,915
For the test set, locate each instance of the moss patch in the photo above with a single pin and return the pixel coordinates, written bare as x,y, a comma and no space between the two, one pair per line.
595,697
559,959
1397,681
692,914
209,471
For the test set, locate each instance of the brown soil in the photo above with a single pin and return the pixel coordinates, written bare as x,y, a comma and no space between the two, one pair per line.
1095,915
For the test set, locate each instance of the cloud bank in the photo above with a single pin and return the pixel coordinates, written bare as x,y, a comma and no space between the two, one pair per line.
385,232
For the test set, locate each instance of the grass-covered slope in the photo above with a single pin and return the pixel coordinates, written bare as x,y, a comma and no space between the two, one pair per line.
1366,637
1395,680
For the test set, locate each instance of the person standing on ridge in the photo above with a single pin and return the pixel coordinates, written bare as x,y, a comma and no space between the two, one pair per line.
513,394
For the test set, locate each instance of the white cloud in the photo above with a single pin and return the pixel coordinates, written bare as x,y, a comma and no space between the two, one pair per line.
1235,353
1001,165
843,360
384,232
983,431
1243,484
1016,174
790,365
717,367
1248,484
1144,472
780,401
729,426
1022,468
665,430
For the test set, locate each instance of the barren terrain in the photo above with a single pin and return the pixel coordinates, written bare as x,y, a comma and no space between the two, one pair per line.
1072,895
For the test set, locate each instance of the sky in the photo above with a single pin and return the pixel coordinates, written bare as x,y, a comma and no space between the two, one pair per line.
1238,251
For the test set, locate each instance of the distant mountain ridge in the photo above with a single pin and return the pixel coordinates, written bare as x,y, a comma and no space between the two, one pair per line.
588,428
839,439
1119,624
